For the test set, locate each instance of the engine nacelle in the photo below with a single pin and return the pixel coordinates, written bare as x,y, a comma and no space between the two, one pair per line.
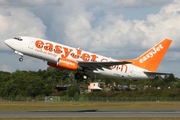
63,63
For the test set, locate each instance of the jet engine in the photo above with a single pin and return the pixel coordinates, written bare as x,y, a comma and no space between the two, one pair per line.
64,63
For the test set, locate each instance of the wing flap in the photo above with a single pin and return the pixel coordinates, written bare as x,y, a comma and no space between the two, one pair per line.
101,65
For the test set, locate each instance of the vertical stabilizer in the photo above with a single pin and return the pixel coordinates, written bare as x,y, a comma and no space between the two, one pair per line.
151,59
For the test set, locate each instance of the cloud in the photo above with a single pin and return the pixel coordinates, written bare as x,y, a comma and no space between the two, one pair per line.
166,22
5,68
28,3
19,21
100,29
96,26
140,3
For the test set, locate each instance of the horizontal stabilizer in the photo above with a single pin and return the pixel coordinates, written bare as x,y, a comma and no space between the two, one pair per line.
156,73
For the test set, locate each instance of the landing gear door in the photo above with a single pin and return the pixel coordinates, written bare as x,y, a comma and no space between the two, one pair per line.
31,43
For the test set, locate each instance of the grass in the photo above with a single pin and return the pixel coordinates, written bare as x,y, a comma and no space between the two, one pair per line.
87,105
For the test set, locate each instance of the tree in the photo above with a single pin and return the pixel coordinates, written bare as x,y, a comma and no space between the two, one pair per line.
76,96
72,90
36,87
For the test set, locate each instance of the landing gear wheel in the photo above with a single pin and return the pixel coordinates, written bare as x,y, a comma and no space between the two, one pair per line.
84,76
78,76
21,59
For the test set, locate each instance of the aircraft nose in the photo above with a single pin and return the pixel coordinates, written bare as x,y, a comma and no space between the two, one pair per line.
8,42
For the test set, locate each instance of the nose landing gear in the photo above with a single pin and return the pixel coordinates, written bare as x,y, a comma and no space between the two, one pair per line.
21,59
19,53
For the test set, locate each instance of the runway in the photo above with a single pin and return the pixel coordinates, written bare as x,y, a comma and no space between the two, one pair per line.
174,113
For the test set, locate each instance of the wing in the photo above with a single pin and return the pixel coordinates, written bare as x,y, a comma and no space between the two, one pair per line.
100,65
156,73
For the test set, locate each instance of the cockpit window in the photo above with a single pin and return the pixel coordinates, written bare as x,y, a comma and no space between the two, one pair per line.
18,38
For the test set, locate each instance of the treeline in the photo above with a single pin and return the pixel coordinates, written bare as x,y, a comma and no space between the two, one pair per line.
31,83
43,83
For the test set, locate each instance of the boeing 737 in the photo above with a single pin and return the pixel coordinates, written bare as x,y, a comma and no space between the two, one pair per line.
66,57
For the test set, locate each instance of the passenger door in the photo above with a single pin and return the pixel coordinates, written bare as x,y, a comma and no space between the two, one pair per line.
31,43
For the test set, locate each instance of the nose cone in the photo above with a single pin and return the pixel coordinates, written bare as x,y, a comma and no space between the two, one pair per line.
8,42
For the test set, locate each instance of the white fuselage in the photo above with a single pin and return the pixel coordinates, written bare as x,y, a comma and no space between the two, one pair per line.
51,52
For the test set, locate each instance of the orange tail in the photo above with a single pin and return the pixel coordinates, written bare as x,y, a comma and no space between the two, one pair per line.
151,59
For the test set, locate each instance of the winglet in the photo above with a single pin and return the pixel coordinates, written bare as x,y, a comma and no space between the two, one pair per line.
151,59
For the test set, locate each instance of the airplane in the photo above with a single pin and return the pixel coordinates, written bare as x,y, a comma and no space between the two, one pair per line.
74,59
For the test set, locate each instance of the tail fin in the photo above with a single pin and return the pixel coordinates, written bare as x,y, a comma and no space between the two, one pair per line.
151,59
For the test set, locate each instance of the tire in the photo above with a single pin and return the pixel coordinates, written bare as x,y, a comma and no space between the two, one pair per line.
84,76
78,76
21,59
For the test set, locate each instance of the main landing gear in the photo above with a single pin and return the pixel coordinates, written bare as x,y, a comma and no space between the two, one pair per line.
80,76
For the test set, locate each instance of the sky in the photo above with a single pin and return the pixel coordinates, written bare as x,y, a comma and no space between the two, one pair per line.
120,29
